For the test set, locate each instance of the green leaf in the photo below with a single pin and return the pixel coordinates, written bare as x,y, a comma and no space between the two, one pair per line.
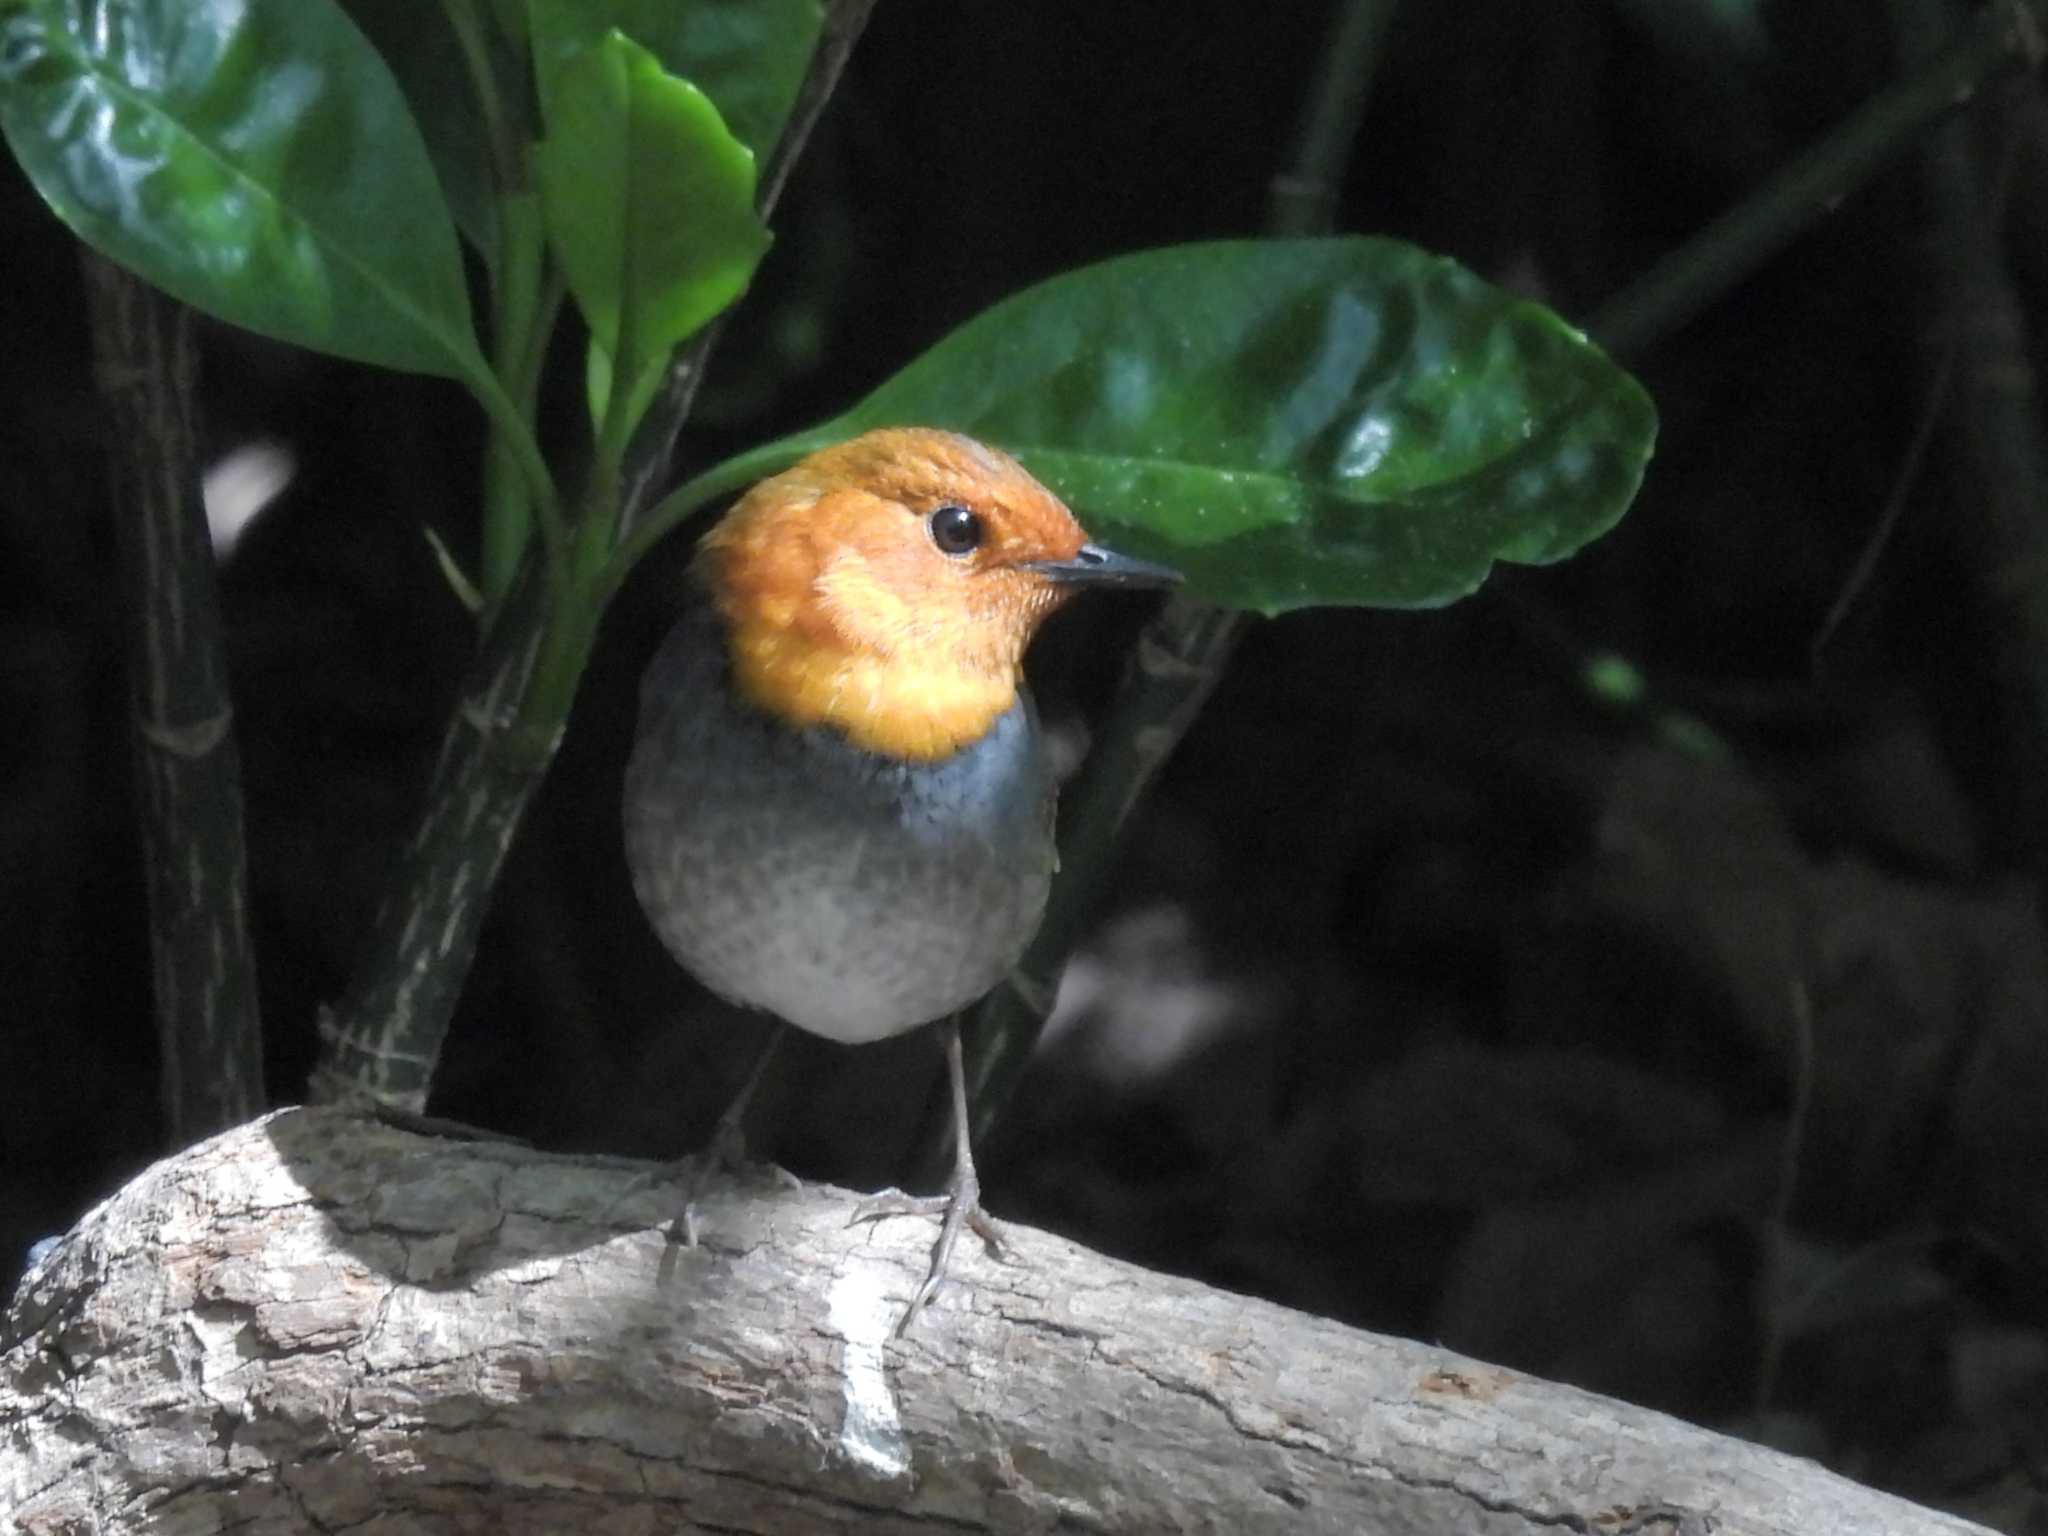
649,204
419,45
1294,422
748,56
252,158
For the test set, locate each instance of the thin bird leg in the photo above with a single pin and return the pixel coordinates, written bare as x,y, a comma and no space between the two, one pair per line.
729,1138
959,1206
726,1152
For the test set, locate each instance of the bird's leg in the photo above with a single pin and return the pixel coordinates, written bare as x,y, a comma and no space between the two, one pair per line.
959,1206
726,1152
728,1146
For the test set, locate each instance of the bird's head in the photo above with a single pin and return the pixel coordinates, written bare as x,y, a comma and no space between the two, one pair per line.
888,586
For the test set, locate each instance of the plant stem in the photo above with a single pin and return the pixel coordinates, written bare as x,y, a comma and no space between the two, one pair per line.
720,480
1181,655
518,270
517,311
187,769
2004,35
380,1044
513,433
1302,200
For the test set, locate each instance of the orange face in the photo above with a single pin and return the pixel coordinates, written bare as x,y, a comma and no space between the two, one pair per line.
887,586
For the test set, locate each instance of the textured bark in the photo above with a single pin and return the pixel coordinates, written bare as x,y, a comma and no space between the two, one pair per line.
317,1323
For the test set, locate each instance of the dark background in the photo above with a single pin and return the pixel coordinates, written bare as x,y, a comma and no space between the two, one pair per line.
1586,975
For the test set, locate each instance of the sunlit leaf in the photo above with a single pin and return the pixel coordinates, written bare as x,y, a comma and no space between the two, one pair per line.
251,157
649,204
1294,422
748,56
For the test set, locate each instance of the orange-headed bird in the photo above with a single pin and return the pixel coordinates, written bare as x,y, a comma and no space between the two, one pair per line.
838,807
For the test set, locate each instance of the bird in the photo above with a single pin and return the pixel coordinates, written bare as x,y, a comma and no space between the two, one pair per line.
838,807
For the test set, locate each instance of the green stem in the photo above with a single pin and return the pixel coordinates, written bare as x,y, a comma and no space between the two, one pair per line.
547,308
514,434
508,524
518,272
382,1041
1727,251
520,320
714,484
622,411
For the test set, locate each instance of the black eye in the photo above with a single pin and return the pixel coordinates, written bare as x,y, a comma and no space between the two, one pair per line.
956,530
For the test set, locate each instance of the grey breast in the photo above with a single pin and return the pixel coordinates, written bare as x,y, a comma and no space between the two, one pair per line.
853,895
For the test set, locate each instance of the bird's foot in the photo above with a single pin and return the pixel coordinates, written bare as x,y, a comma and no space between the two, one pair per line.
959,1207
725,1155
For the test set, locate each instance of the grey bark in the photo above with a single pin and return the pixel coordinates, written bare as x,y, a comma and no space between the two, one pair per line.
320,1323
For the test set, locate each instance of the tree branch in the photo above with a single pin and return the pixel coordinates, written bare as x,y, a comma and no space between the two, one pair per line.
317,1322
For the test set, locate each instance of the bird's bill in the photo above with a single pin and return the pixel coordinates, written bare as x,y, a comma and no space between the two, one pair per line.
1092,565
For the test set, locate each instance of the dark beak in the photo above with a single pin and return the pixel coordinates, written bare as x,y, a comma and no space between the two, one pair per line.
1095,566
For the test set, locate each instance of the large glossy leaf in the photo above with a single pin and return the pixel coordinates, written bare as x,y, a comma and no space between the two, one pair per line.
748,56
420,46
1295,422
253,158
649,204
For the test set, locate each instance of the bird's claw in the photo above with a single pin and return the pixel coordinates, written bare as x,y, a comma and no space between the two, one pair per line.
959,1207
894,1202
726,1154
